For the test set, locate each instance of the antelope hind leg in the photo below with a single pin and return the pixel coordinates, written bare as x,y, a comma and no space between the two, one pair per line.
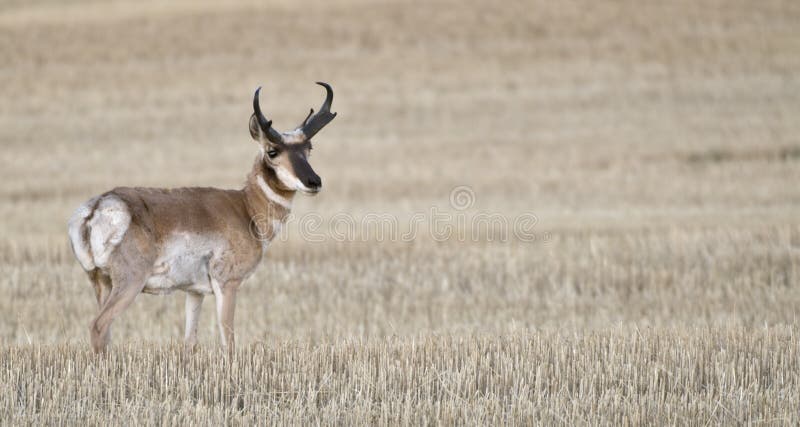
129,271
102,286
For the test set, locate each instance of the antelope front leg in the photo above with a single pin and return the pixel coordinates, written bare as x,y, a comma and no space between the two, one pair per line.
226,305
193,303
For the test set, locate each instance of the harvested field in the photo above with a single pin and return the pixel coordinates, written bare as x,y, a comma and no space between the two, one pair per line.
654,147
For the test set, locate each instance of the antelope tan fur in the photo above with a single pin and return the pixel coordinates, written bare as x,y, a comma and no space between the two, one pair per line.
198,240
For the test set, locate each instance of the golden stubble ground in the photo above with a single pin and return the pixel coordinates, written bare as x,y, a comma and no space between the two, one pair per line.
656,144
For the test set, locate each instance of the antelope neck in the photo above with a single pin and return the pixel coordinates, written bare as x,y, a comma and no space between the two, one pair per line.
265,199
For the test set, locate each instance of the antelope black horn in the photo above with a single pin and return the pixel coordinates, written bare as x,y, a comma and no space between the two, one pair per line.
305,121
316,122
266,125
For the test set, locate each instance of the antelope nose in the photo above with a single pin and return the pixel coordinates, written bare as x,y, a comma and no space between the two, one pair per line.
314,182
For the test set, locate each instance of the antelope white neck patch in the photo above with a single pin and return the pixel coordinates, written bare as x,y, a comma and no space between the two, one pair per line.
271,194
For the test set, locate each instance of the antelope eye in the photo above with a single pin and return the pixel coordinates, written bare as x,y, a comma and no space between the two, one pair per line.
272,153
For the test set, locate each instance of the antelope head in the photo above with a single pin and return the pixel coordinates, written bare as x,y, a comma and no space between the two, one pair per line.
286,153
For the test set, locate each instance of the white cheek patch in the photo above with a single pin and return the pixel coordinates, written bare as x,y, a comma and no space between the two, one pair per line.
289,180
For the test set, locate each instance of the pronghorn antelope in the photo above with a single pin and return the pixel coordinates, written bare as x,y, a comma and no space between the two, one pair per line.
199,240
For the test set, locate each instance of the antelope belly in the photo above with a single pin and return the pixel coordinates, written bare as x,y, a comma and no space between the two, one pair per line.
183,264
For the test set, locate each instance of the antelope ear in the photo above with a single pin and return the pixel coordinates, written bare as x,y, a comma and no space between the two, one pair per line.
255,129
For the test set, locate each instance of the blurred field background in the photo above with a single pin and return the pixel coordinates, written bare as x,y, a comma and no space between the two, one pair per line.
657,143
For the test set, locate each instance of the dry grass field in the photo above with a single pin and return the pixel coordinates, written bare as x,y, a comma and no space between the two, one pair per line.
656,143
